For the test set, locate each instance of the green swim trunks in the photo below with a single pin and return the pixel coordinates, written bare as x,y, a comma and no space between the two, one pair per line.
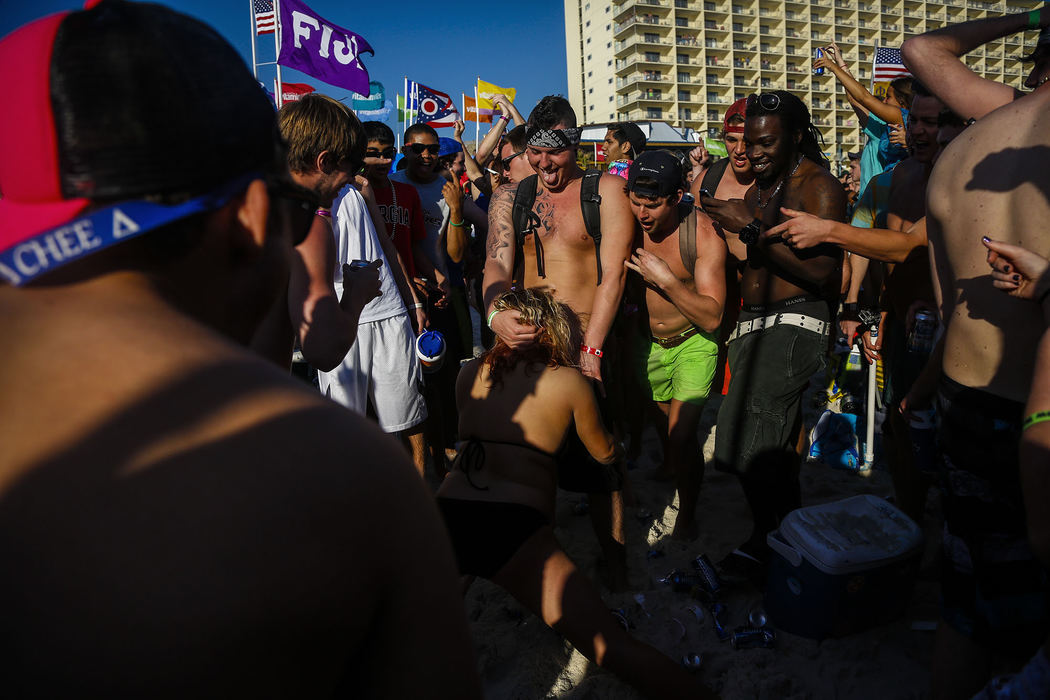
683,372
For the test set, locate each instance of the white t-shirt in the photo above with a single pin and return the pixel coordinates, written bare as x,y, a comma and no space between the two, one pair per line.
435,215
355,239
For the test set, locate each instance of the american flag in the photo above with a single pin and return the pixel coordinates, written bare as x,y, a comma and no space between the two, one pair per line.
888,65
265,23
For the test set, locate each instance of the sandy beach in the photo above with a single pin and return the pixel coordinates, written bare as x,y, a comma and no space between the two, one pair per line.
519,657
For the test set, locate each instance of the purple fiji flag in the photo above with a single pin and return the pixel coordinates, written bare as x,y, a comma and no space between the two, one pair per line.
315,46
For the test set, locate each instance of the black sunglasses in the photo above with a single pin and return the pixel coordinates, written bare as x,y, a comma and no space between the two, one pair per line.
300,205
387,153
418,148
505,162
769,101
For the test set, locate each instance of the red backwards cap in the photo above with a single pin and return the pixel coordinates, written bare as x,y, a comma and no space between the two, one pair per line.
29,171
737,108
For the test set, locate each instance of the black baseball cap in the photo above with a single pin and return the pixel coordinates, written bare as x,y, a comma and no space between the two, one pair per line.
661,166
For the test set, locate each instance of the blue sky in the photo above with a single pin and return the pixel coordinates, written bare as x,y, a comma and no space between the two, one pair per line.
513,43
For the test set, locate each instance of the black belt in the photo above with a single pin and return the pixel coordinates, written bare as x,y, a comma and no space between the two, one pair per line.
676,340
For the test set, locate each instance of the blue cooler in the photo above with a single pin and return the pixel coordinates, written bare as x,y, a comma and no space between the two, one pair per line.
842,567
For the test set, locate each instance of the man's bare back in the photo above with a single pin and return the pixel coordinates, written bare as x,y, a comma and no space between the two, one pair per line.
193,521
992,181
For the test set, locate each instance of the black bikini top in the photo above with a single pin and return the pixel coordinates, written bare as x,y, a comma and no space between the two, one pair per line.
472,456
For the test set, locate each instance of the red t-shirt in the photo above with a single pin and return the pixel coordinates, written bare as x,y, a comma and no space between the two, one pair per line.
405,222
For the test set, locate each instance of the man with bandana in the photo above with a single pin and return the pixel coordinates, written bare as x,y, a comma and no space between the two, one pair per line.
780,339
935,58
564,261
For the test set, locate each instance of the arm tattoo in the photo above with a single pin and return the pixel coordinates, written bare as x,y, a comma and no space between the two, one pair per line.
501,225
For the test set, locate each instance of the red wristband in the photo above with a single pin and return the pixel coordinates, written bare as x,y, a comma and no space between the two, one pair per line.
590,351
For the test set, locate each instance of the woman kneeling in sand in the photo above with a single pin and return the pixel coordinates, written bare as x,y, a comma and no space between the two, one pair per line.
516,407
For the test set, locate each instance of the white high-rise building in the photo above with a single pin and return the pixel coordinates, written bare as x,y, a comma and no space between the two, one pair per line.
685,61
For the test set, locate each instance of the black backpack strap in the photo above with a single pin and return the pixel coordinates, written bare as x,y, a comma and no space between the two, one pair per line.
526,222
687,239
714,174
590,203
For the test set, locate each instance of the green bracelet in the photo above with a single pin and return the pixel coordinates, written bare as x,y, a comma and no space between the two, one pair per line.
488,321
1037,417
453,223
1033,19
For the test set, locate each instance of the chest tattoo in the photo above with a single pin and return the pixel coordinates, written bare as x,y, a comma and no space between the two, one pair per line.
545,213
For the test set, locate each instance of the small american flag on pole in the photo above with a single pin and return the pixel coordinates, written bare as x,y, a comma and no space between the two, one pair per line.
265,22
888,65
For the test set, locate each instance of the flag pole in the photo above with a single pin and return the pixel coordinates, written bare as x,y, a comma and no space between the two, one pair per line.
251,15
477,115
277,49
874,61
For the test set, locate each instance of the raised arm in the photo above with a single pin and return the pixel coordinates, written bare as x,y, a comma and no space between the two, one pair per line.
507,108
475,174
617,224
891,114
833,52
935,58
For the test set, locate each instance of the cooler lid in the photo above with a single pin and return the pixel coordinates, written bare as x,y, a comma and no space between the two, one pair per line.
853,534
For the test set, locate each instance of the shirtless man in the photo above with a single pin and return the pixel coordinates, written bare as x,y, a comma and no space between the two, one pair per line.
993,183
728,180
907,287
780,340
180,519
685,313
935,58
569,271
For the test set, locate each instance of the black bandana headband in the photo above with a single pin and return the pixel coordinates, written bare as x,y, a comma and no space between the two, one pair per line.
552,138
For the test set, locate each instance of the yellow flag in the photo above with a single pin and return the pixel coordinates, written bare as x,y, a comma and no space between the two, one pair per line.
486,91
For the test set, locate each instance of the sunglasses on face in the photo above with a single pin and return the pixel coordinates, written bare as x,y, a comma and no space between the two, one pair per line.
387,153
505,162
418,148
769,101
298,205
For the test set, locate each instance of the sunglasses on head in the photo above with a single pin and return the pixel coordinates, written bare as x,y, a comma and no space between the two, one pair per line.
769,101
389,152
505,162
297,203
418,148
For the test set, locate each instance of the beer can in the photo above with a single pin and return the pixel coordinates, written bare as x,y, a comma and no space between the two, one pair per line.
708,575
818,53
753,638
920,339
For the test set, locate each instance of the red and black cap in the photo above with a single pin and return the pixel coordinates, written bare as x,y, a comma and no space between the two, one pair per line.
118,102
